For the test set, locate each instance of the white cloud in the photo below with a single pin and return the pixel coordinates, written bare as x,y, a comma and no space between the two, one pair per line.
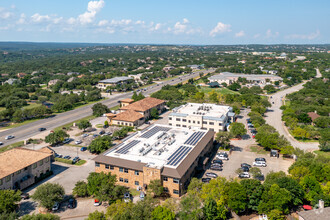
310,36
256,36
4,14
240,34
71,21
158,26
92,9
37,18
103,22
270,34
219,29
22,18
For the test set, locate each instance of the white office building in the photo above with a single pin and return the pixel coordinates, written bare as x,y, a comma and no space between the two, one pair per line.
206,116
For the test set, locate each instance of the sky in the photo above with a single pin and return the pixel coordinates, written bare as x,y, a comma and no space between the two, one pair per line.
166,22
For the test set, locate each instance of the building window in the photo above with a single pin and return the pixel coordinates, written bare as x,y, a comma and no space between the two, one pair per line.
175,191
178,125
211,123
176,180
34,165
193,122
107,166
121,169
97,164
184,120
25,168
170,124
220,124
170,118
18,172
184,126
121,179
1,182
165,178
136,183
8,178
204,122
198,122
47,159
125,170
112,167
178,119
126,180
189,121
41,163
165,189
136,172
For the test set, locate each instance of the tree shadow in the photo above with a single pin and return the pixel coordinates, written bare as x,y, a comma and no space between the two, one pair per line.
235,148
26,207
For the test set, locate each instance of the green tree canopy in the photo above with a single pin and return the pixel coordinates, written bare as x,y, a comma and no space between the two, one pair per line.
162,213
237,129
83,124
99,109
56,137
47,194
100,144
8,200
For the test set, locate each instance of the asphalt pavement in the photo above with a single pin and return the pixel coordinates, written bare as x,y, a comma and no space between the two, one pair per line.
28,130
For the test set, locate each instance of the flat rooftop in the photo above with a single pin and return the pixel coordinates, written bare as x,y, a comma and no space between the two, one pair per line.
206,110
116,79
158,146
225,75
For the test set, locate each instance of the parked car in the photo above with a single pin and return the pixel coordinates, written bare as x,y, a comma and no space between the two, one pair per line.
97,202
127,196
245,165
218,168
206,180
142,195
108,133
274,153
42,129
75,160
95,135
222,157
58,155
9,137
245,169
66,140
101,132
244,175
85,135
67,157
1,143
217,161
259,164
56,206
72,203
83,149
260,159
213,175
78,142
25,196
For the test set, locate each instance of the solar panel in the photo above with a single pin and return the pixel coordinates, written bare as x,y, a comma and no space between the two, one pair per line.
194,138
128,146
177,156
153,131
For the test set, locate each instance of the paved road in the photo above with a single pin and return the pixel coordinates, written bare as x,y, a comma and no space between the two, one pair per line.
26,131
273,117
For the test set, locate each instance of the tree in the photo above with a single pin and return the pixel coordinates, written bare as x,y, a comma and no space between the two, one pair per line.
96,215
56,137
40,216
8,200
48,194
276,214
154,113
234,86
100,144
325,139
300,133
134,96
162,213
312,189
258,108
254,190
156,187
80,189
190,208
256,172
223,138
195,186
236,199
9,216
237,129
210,209
139,97
322,121
83,124
99,109
118,209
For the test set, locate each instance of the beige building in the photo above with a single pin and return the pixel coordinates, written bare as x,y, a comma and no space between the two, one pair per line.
206,116
258,79
126,118
161,152
103,84
125,102
20,167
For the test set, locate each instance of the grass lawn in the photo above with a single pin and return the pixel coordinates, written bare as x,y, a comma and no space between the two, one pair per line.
223,91
14,145
115,108
323,153
80,162
19,124
134,192
32,105
258,150
68,125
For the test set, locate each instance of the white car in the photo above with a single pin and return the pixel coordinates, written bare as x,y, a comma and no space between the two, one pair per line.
9,137
222,157
244,175
259,164
78,142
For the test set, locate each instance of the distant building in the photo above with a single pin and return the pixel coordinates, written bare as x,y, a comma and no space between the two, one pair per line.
20,167
206,116
229,78
313,115
213,84
21,75
161,152
196,67
319,213
168,68
125,102
53,82
11,81
113,81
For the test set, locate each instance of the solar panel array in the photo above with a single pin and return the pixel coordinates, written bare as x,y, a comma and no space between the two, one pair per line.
153,131
178,155
194,138
128,146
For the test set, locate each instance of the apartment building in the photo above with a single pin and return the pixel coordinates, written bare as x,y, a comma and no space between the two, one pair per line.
205,116
160,152
20,167
103,84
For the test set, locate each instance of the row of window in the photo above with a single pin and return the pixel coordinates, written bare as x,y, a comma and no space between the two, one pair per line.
175,191
165,178
121,169
194,122
124,123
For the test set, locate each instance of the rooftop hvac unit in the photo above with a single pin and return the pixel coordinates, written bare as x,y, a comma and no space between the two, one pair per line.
147,151
141,149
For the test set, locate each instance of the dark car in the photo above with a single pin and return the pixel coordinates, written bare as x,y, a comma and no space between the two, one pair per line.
245,165
260,159
101,132
83,149
213,175
245,169
72,204
25,196
127,196
206,180
67,157
217,161
41,129
218,168
75,160
274,153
